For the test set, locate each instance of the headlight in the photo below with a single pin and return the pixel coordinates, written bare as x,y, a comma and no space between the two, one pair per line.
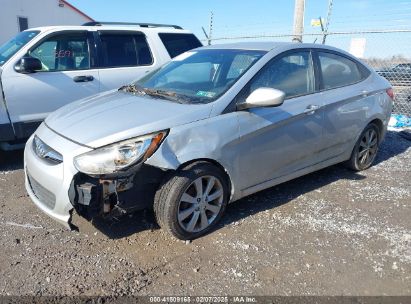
115,157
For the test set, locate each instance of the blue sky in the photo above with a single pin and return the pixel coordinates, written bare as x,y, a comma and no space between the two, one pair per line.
239,18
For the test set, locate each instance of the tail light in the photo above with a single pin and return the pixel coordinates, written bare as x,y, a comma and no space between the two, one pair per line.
390,92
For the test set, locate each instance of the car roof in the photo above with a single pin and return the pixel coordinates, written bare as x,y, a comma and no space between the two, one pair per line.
269,45
111,28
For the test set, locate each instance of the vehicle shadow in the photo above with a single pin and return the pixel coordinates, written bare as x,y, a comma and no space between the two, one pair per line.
264,200
11,160
393,145
284,193
127,225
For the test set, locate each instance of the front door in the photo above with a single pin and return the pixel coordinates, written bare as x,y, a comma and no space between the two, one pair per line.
67,75
277,141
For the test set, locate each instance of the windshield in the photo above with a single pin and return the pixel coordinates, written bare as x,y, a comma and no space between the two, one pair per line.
11,47
197,76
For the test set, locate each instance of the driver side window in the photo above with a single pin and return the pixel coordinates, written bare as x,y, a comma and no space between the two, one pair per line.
293,74
63,52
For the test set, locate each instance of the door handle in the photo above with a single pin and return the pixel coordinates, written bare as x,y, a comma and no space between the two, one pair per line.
311,109
85,78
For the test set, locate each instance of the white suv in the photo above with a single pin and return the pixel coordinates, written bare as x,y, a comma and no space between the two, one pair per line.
42,69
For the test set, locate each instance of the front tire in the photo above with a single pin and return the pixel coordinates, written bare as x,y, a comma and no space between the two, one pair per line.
365,149
192,200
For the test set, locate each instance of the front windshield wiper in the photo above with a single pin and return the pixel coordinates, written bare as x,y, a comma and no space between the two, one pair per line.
134,88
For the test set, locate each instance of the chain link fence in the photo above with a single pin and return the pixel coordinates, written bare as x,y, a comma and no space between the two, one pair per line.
388,52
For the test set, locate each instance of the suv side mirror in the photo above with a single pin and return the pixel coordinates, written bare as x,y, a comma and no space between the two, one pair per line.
263,97
28,64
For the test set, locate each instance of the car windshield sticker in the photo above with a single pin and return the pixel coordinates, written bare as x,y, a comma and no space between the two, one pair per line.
205,94
183,56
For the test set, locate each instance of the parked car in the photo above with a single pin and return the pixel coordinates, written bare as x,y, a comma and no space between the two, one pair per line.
42,69
212,126
397,75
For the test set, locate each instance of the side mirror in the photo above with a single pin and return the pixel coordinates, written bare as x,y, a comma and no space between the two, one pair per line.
263,97
28,64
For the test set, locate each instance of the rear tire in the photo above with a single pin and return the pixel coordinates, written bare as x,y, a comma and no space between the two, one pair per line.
365,149
191,201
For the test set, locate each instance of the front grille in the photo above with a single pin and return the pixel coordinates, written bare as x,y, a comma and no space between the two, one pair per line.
44,196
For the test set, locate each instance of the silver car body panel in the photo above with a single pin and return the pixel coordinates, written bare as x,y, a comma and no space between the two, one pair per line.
4,119
54,178
139,116
258,148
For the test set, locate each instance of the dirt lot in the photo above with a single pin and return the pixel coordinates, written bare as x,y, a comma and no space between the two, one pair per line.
333,232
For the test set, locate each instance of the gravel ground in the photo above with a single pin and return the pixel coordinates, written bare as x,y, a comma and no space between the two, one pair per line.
333,232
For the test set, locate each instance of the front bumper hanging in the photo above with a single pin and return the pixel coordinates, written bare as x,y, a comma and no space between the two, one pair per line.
114,195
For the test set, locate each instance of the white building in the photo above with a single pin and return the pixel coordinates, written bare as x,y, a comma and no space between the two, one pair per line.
18,15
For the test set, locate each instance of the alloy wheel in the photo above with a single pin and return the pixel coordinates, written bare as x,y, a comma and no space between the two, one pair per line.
200,204
368,148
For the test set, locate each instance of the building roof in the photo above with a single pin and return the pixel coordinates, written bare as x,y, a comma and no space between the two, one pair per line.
76,9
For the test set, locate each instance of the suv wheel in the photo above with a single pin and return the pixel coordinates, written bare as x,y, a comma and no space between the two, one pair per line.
365,150
191,201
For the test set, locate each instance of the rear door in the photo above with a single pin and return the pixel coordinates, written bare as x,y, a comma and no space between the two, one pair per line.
346,101
124,56
277,141
68,74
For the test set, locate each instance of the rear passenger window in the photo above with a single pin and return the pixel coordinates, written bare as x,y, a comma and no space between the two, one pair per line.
293,74
177,44
338,71
122,50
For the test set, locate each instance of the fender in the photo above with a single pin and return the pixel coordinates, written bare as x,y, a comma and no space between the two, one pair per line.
212,139
6,127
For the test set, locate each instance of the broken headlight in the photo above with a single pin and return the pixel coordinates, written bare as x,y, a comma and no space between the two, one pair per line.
116,157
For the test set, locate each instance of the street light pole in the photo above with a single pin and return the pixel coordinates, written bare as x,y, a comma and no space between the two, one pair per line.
298,27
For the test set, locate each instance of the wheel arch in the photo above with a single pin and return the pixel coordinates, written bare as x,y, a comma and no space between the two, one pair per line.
378,121
380,125
218,165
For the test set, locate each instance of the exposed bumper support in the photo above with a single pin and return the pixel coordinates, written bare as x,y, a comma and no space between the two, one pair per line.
115,195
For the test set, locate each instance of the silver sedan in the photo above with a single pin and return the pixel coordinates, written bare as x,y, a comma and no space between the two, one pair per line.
212,126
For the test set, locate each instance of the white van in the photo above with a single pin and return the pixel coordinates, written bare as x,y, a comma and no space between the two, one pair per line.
42,69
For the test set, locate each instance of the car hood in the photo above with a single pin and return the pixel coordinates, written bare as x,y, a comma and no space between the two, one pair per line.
115,115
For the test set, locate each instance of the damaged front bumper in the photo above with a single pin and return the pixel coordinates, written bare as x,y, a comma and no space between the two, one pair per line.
57,189
45,185
112,196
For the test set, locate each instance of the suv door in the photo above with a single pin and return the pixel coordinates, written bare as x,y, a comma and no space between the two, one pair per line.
124,56
68,74
277,141
346,101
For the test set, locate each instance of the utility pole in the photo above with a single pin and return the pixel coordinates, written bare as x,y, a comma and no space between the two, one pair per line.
210,30
327,23
298,27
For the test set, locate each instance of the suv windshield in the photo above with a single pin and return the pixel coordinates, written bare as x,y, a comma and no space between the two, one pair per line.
11,47
199,76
